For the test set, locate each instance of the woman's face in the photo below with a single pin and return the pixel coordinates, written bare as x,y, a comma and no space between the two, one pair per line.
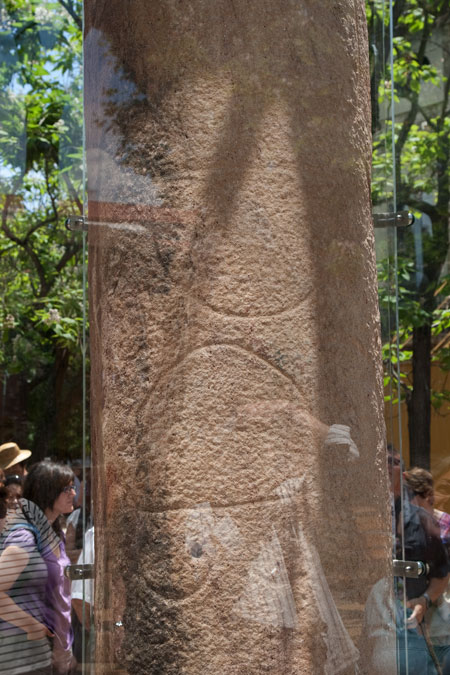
395,471
64,501
426,502
14,491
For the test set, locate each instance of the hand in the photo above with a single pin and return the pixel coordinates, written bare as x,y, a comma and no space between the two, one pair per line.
63,663
38,631
419,607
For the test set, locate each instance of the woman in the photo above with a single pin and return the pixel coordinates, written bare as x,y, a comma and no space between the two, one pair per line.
34,592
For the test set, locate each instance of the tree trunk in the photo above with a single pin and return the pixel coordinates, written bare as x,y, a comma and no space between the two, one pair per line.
46,432
419,403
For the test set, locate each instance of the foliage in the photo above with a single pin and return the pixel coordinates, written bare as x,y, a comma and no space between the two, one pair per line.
397,376
416,177
41,182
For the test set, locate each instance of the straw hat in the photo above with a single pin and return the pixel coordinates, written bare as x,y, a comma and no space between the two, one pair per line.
11,454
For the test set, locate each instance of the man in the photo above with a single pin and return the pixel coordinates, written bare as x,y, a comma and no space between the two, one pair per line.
12,459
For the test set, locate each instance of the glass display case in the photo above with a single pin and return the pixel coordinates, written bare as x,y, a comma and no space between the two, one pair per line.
252,407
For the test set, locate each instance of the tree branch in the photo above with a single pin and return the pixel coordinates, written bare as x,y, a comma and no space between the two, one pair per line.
420,204
26,247
36,227
427,118
71,250
73,193
68,6
444,103
49,191
7,249
414,109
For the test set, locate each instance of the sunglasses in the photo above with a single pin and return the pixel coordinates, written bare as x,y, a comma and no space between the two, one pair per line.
13,478
394,461
68,489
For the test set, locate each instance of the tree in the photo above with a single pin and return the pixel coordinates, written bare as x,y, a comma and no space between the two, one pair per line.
421,184
41,182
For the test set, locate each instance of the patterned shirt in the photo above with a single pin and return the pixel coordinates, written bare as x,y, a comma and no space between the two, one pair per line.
443,520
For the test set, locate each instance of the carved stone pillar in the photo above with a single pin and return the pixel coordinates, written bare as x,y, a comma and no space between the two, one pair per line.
236,394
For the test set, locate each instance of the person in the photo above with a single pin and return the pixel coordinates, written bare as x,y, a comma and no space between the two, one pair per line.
77,468
34,592
421,542
3,506
81,519
443,520
437,619
82,604
12,458
13,485
416,533
77,523
421,482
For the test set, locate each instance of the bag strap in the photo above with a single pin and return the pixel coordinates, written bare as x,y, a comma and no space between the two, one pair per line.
426,634
31,528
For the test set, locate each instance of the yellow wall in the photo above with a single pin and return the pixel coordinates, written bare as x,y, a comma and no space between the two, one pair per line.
440,427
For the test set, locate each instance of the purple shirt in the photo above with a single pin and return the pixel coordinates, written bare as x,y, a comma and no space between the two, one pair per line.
58,599
17,653
28,591
444,525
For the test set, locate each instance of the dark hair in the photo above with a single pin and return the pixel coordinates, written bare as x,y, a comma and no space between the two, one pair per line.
394,457
3,502
13,478
44,483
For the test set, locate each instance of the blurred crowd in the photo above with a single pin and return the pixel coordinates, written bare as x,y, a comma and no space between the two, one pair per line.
419,608
45,526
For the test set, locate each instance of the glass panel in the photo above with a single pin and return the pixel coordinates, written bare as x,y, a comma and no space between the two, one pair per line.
205,350
380,23
383,199
43,328
41,179
416,366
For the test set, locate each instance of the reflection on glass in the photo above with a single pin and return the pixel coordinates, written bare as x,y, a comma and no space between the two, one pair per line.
42,269
41,182
420,133
424,531
410,58
35,594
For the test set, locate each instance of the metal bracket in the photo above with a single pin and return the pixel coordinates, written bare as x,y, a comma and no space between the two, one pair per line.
79,572
397,219
76,224
409,568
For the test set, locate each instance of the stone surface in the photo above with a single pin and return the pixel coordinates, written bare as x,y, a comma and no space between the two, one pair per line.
237,428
